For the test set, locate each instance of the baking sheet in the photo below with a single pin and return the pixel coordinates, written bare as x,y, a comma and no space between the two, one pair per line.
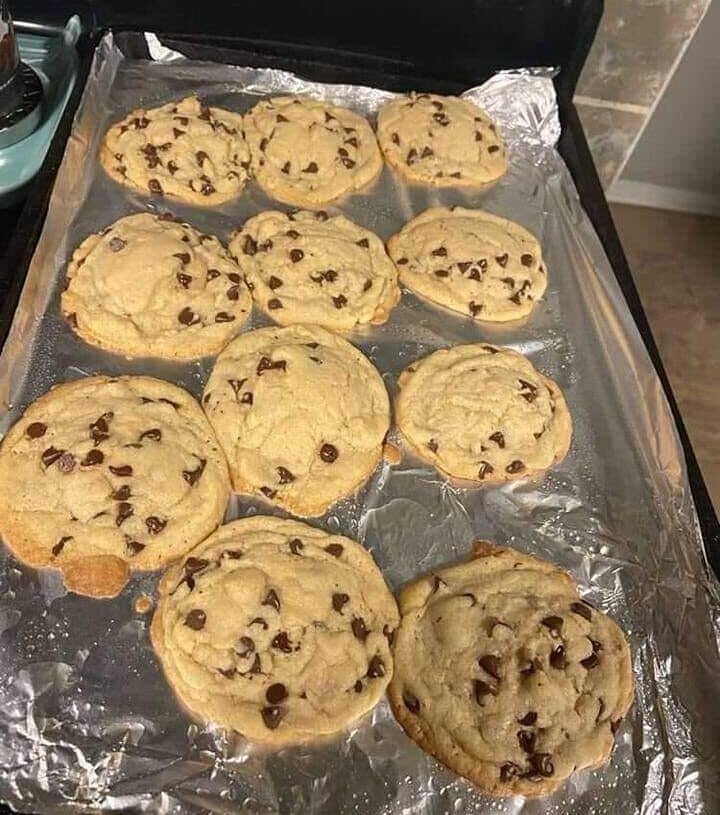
87,721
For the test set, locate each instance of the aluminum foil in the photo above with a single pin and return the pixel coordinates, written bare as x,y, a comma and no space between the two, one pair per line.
87,721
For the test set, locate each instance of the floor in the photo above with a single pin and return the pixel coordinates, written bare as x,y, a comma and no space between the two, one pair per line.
674,259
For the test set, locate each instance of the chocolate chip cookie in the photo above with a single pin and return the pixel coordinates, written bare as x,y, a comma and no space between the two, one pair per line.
315,268
150,286
103,476
472,262
504,674
300,413
483,413
307,152
441,140
276,630
183,150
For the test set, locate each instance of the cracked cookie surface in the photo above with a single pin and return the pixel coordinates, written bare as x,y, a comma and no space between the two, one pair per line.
504,674
470,261
309,267
276,630
307,152
483,413
300,413
441,140
151,286
183,150
102,476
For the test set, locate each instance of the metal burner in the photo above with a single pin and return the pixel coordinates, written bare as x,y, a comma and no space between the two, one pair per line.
20,87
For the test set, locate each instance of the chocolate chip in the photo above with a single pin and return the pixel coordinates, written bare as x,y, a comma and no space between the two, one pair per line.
271,599
485,469
340,301
188,317
236,384
475,308
274,304
228,673
590,662
582,610
117,244
285,475
296,255
328,453
359,629
121,493
498,438
441,273
334,549
509,771
255,668
348,163
193,476
493,148
268,492
36,430
212,274
478,135
528,719
206,187
432,445
364,242
154,434
401,262
154,524
558,659
395,138
358,686
411,702
266,364
123,470
296,546
124,511
502,259
246,398
376,668
526,260
274,282
259,621
224,317
276,692
291,233
281,642
339,600
531,389
249,246
232,554
184,279
437,582
154,186
441,119
93,457
99,429
172,167
311,168
183,257
285,168
61,544
272,716
200,156
515,467
491,664
542,764
353,141
133,546
554,623
481,690
411,157
66,462
194,564
526,739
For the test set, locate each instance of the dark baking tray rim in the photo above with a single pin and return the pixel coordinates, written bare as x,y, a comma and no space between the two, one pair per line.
334,65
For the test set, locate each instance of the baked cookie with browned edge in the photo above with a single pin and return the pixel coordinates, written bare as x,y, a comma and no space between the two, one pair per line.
301,415
483,413
307,152
311,267
105,476
184,150
150,286
506,675
472,262
276,630
441,140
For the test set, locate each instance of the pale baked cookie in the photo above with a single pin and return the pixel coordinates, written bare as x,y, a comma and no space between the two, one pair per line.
441,140
314,268
149,286
472,262
183,149
483,413
276,630
102,476
307,152
300,413
504,674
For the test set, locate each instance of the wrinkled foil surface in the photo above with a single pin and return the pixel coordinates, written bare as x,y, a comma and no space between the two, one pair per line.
87,721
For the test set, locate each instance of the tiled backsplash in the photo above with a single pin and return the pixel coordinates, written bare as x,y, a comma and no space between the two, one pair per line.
636,48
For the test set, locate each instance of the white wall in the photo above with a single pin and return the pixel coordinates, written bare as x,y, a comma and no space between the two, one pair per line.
675,163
